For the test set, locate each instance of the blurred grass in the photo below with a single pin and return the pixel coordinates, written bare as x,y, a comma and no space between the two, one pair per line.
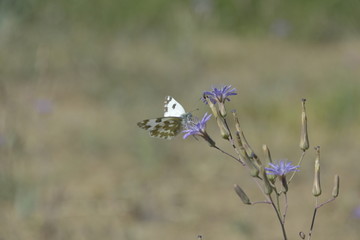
77,75
319,20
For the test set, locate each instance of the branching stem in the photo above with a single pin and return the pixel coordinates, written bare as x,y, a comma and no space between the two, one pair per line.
279,218
238,160
231,140
299,164
314,214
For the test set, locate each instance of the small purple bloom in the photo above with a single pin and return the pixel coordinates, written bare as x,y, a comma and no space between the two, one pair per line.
197,128
220,95
43,106
356,212
281,168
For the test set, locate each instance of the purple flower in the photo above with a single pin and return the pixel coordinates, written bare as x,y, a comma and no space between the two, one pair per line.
196,128
219,95
281,168
43,106
356,212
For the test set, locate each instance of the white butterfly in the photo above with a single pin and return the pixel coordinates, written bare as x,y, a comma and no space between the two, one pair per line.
174,120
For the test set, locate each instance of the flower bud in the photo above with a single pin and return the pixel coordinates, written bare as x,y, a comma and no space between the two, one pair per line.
223,130
211,105
267,154
316,191
335,191
268,159
267,186
238,129
284,183
242,140
222,109
254,170
244,198
304,139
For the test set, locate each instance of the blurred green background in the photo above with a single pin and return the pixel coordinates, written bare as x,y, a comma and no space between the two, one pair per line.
76,76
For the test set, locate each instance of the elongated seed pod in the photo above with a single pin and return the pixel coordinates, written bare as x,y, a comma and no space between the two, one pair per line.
335,191
244,198
316,191
304,138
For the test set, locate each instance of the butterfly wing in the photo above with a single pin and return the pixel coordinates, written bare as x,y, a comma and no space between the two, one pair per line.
172,108
163,127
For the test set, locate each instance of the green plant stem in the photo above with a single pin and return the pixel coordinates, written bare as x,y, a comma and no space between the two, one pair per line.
299,163
278,202
259,202
231,140
279,218
238,160
313,219
233,157
314,215
286,207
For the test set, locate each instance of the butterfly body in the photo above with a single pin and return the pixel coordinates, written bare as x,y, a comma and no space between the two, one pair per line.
174,120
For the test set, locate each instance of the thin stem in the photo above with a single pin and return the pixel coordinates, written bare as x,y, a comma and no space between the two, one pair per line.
328,201
216,147
299,163
279,218
286,207
314,214
227,126
231,140
313,219
312,223
255,180
266,202
261,189
278,202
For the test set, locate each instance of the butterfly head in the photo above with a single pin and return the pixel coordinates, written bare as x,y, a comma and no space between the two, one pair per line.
187,118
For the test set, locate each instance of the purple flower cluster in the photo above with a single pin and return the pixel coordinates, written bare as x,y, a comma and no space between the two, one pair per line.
219,95
281,168
197,128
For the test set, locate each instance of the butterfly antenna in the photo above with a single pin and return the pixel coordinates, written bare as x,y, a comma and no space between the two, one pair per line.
196,109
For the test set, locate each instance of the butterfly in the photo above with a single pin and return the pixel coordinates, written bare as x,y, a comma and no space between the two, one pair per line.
174,121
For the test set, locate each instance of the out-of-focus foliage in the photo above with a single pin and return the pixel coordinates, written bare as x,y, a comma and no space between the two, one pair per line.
76,76
310,19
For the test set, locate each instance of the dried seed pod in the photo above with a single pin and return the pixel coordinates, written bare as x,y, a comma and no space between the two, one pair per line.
304,139
244,198
335,191
316,191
